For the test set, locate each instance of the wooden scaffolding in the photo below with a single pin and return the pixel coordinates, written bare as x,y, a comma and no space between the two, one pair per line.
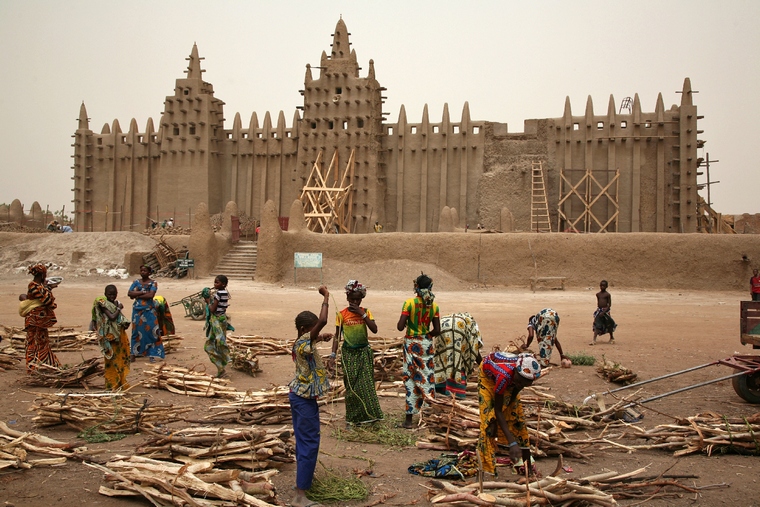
709,221
585,194
328,204
539,207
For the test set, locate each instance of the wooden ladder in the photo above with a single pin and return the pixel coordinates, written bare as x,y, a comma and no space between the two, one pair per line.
539,207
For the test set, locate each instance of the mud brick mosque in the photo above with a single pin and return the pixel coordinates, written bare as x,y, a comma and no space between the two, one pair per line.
621,171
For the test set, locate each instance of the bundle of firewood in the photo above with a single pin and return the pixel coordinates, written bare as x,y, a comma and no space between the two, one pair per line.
263,407
16,447
708,432
10,358
261,346
256,407
388,360
171,343
179,380
245,360
250,448
455,424
198,483
109,412
599,489
61,338
615,372
77,375
547,491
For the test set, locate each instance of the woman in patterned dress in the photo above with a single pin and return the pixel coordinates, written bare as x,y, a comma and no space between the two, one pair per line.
502,376
457,353
362,405
38,309
146,331
417,316
111,327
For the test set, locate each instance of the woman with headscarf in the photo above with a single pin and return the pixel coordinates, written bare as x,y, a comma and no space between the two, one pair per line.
417,316
38,309
362,405
501,378
457,353
111,326
146,331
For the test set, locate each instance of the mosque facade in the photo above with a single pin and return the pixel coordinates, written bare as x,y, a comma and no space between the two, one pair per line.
621,171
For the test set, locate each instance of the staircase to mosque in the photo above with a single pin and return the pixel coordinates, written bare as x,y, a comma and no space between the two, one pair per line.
239,263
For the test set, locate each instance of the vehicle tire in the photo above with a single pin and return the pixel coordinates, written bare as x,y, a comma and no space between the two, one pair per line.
748,387
197,310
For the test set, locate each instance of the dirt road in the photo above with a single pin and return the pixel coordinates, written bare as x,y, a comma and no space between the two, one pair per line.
659,332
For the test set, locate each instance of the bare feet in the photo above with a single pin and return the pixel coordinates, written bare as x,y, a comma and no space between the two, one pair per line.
407,422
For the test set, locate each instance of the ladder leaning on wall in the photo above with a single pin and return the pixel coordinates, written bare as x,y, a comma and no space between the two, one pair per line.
539,208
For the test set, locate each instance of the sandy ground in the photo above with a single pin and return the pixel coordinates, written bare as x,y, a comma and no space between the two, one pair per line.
659,332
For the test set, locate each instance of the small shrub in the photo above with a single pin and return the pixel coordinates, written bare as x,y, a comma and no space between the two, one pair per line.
582,359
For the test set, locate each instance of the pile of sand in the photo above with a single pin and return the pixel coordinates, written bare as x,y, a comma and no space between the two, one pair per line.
72,254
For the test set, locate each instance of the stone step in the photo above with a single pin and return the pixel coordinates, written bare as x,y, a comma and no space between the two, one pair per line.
239,263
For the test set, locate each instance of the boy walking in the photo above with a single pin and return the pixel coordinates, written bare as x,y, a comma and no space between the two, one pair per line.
603,322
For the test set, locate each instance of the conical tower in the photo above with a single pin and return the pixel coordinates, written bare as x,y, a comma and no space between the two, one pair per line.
191,125
343,113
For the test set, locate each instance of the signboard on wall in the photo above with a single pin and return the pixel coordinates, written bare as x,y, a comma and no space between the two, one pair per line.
307,260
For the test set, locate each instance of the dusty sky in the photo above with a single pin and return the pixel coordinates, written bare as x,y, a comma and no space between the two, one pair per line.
510,60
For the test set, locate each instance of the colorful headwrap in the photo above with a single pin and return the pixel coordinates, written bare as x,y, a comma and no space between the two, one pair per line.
424,288
527,366
38,269
354,287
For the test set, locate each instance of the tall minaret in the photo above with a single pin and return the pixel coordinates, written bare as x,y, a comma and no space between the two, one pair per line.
191,124
343,112
82,171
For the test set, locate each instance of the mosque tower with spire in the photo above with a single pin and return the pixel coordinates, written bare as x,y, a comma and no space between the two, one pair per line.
343,112
191,124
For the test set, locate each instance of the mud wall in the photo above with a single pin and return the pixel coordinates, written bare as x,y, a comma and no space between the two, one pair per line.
636,260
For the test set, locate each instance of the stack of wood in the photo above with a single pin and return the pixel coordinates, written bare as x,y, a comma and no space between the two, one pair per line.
245,360
179,380
455,424
547,491
175,230
10,358
260,346
264,407
163,260
51,376
708,432
16,448
255,407
198,483
599,489
388,358
615,372
249,448
62,339
110,412
171,343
